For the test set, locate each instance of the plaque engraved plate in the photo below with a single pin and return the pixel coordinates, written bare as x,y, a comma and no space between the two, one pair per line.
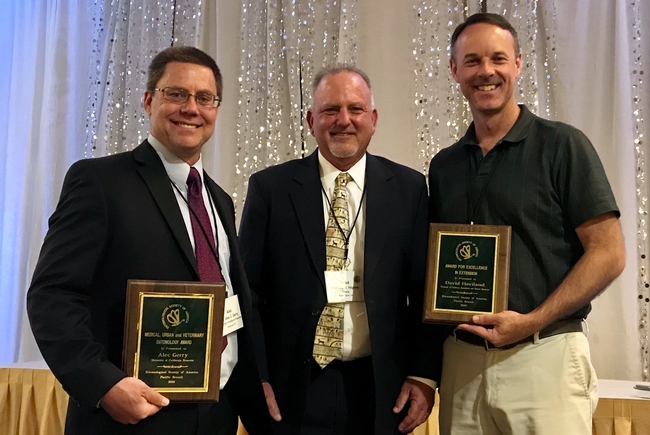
468,270
172,337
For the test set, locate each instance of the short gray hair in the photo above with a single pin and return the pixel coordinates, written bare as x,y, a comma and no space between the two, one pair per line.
337,68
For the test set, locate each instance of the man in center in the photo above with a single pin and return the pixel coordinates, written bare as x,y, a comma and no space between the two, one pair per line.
334,247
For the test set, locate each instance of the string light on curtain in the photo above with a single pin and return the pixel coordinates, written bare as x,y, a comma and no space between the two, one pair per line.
643,283
548,44
438,96
283,45
535,25
127,34
348,32
441,112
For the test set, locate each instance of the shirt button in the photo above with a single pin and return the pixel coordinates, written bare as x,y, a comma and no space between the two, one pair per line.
315,313
307,361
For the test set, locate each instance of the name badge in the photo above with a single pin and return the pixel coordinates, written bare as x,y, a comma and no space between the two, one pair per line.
232,320
340,286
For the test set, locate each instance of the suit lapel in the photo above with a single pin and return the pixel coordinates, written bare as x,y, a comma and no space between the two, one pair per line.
379,192
307,201
153,173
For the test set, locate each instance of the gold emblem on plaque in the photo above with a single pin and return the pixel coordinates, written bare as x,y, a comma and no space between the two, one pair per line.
174,315
466,250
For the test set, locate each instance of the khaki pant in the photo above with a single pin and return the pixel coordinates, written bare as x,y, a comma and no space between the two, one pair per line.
544,388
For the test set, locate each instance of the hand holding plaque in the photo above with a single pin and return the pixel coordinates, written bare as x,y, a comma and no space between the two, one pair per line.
468,268
172,337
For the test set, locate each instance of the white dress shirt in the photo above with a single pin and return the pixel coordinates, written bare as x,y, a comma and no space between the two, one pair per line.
178,171
356,337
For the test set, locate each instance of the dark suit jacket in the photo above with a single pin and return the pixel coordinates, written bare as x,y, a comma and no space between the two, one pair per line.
282,237
118,219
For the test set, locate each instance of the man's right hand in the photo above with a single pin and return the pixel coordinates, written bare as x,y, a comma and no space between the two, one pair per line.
131,400
274,410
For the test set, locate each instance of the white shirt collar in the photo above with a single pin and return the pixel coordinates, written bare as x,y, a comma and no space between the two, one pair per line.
328,172
177,169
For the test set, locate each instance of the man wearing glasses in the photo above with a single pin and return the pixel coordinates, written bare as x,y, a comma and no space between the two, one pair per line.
153,214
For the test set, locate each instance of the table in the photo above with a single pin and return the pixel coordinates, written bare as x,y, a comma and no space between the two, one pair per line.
622,410
32,402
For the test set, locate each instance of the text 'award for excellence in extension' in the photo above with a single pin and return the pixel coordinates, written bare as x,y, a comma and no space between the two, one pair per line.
468,269
172,337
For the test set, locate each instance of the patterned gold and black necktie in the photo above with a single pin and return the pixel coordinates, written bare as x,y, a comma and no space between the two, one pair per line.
329,331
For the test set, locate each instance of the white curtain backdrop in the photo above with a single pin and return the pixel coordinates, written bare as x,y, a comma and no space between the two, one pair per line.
594,94
74,82
283,45
44,90
45,49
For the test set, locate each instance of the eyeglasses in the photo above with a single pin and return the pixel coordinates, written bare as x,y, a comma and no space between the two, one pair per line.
180,96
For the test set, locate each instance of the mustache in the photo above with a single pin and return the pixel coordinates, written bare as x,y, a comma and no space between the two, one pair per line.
480,82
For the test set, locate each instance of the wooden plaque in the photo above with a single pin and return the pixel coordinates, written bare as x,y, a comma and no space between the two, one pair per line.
468,271
172,337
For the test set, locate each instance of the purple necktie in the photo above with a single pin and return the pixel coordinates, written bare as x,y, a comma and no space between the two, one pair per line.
204,246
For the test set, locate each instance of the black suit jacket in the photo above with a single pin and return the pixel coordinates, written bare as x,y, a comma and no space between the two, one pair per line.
118,219
282,237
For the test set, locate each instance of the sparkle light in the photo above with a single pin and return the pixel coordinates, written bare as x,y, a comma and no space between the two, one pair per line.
643,284
283,45
126,36
441,113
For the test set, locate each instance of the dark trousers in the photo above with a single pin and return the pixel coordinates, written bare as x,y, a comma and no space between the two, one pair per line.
341,399
174,419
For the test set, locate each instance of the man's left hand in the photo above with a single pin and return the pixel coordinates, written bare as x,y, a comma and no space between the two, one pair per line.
421,398
502,328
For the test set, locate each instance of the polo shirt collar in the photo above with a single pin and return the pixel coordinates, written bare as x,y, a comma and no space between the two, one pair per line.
517,133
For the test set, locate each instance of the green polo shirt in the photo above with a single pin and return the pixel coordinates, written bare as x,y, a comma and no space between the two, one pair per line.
544,179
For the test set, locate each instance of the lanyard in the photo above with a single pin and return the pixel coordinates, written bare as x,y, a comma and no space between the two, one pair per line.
474,207
345,237
203,230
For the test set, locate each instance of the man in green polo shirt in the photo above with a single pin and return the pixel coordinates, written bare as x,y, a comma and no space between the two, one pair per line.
525,370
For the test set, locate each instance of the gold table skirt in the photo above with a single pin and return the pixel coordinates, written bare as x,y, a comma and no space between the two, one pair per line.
32,402
622,417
